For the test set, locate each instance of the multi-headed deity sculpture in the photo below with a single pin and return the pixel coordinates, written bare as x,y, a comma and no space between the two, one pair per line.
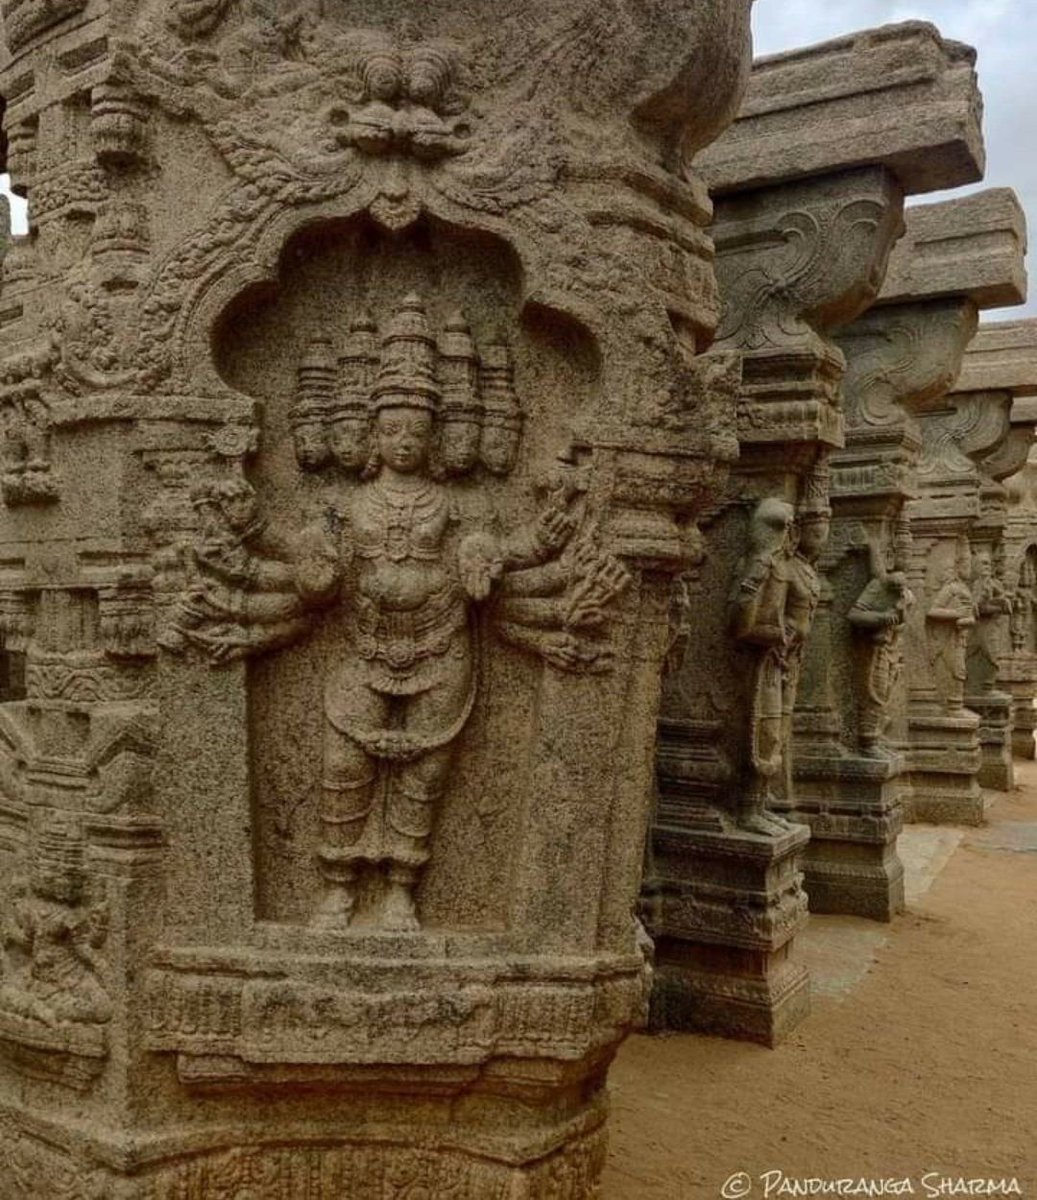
408,570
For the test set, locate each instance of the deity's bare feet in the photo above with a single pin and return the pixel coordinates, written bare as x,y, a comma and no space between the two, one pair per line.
757,822
398,912
768,824
335,910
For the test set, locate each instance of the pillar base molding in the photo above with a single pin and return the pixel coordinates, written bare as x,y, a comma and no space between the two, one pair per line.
853,807
725,921
943,770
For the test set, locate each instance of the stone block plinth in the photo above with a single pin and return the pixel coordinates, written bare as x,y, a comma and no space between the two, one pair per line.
724,923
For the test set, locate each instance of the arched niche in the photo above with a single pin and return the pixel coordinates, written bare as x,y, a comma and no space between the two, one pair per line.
327,274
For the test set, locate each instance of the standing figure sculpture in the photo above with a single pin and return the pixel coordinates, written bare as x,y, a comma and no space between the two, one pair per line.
1023,604
950,617
759,620
879,615
395,708
408,571
993,607
810,536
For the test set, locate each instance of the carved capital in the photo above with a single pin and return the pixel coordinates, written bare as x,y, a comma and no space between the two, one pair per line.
794,262
900,361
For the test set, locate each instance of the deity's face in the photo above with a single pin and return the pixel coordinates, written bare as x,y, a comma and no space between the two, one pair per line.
813,536
239,509
403,436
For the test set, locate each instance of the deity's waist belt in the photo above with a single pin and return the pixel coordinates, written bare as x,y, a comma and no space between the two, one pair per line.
400,639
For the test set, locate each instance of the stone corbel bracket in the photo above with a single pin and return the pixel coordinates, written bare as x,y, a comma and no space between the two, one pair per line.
793,261
904,355
1001,363
887,112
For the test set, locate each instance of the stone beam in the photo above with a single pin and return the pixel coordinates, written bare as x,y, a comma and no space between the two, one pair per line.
1002,357
900,96
973,246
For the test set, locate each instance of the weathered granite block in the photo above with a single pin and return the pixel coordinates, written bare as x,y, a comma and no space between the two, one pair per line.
356,428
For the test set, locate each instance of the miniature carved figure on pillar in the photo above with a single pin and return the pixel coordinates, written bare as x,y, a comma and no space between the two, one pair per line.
949,618
878,616
758,620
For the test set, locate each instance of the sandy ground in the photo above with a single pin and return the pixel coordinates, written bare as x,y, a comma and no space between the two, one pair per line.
919,1057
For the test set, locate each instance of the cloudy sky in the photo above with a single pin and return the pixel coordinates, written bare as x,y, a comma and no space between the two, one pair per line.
1003,31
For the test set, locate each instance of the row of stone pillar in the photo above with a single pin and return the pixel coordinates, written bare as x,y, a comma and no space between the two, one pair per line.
861,581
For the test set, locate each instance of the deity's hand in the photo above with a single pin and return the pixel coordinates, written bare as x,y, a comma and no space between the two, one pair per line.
227,559
554,529
562,651
479,563
226,645
317,568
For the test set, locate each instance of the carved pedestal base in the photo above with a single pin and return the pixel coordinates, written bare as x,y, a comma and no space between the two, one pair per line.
1024,726
326,1066
1018,677
393,1162
732,906
854,810
995,739
943,771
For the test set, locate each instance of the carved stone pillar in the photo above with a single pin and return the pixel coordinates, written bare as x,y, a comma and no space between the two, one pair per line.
1017,674
356,429
1001,364
808,187
959,627
902,356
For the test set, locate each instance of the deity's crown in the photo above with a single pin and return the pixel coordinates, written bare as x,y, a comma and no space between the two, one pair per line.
815,499
407,371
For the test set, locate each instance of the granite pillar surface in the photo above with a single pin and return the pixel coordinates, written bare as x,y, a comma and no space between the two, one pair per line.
356,427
